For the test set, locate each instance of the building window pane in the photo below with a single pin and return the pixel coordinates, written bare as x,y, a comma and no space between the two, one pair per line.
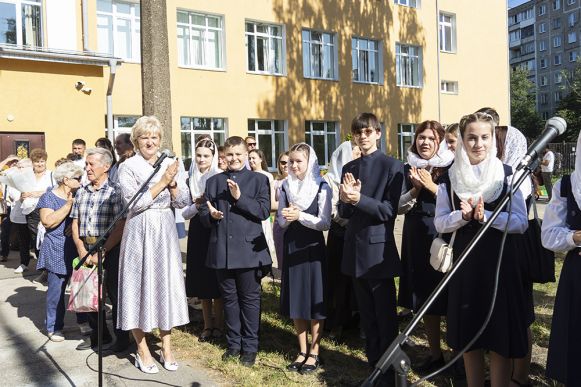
408,3
405,137
118,29
21,22
121,124
322,136
447,32
319,55
365,59
408,65
200,40
271,138
264,47
8,23
192,128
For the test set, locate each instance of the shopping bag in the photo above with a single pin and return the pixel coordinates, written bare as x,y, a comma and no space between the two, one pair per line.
83,286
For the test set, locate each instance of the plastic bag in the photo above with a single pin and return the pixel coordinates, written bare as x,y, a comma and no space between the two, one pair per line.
84,285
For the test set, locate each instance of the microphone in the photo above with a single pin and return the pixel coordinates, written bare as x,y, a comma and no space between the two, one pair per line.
554,127
164,154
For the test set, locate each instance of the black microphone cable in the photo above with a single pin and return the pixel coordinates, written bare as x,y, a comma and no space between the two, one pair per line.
493,301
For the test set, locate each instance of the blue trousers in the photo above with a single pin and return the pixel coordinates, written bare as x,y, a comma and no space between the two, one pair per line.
55,301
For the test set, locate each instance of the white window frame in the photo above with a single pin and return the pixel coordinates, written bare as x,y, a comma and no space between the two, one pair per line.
446,27
571,2
557,41
543,99
134,20
258,133
572,19
212,132
557,62
556,4
404,131
557,23
18,5
543,80
120,125
309,43
360,53
558,96
513,36
326,133
542,45
542,28
542,9
573,56
407,67
270,53
572,37
221,40
408,3
449,87
558,77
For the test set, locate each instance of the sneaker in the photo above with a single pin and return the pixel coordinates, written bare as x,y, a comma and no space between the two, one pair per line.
42,279
57,336
21,269
85,329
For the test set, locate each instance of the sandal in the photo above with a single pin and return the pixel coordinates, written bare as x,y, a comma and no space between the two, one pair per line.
206,335
216,333
308,368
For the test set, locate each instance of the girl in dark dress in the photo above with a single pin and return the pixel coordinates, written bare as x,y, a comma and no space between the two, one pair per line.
478,181
428,159
305,212
201,281
561,231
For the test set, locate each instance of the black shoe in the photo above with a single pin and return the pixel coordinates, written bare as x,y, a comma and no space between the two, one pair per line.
248,359
296,365
230,354
308,368
429,365
88,344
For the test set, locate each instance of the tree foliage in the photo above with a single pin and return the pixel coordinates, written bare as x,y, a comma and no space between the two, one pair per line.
570,106
523,112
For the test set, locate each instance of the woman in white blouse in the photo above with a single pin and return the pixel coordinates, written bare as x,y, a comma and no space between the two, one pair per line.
478,181
561,231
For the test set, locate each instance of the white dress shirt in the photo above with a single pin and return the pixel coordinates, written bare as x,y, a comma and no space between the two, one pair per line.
555,232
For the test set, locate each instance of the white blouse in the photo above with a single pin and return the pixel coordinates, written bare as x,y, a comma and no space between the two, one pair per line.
555,232
446,220
322,222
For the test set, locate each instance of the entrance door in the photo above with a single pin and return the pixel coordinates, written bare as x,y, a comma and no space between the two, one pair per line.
19,143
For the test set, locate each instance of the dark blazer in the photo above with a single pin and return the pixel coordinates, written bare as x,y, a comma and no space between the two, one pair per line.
237,240
370,250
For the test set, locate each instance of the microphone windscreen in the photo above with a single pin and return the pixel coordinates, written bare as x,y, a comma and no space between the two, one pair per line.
557,123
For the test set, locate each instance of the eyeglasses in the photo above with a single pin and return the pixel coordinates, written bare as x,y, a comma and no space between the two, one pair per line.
281,162
367,131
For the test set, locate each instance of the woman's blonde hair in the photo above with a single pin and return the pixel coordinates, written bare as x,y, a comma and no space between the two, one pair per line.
145,125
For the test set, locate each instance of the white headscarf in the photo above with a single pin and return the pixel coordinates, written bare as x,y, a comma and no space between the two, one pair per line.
515,147
197,178
442,158
576,175
341,156
301,193
485,179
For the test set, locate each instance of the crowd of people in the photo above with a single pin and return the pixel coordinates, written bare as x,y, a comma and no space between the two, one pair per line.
453,180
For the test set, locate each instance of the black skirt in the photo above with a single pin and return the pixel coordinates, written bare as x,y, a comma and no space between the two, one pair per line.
201,281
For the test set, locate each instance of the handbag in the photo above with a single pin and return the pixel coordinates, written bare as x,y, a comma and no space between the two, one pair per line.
541,261
83,286
442,253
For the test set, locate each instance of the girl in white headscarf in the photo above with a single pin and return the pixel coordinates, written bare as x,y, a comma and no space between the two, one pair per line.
339,285
428,159
478,181
561,231
201,281
305,211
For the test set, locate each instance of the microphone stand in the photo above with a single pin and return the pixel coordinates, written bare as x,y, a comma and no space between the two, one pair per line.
99,248
395,357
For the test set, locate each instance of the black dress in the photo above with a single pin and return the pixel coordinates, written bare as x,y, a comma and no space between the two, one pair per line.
303,270
418,278
470,292
564,357
201,281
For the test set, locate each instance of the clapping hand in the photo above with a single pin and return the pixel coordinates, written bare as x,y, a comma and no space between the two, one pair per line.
214,213
234,189
479,210
466,209
291,213
415,179
350,189
170,173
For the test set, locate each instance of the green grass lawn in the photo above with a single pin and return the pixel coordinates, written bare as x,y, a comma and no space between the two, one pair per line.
344,361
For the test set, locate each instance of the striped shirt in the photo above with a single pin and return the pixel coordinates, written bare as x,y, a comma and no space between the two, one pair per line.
95,210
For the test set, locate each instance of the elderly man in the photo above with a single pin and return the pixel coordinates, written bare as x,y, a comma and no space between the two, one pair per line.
96,205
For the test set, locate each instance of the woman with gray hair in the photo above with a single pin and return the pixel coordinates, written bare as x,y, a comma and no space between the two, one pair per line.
58,250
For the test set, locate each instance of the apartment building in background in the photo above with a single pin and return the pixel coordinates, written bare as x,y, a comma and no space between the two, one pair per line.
544,39
283,71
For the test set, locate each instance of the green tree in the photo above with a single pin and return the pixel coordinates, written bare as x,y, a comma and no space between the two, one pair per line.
570,106
523,112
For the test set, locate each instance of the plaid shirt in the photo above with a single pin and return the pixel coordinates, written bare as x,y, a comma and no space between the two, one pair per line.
95,210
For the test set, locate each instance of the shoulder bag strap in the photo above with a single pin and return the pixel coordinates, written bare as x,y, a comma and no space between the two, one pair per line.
453,209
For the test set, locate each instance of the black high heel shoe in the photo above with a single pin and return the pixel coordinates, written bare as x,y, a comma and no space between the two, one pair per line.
308,368
296,365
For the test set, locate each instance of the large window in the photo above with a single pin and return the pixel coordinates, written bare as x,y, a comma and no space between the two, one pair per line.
265,48
557,59
408,3
21,22
542,28
366,60
573,56
122,124
271,138
194,127
322,136
319,55
405,138
118,29
408,65
572,37
200,40
447,32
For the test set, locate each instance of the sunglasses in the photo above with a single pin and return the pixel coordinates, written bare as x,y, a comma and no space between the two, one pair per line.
251,143
367,131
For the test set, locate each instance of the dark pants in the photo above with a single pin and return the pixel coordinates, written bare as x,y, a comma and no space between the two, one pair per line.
5,229
32,221
23,242
55,301
377,305
240,290
548,183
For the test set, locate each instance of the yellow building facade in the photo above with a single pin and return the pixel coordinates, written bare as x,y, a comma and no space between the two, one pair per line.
282,70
